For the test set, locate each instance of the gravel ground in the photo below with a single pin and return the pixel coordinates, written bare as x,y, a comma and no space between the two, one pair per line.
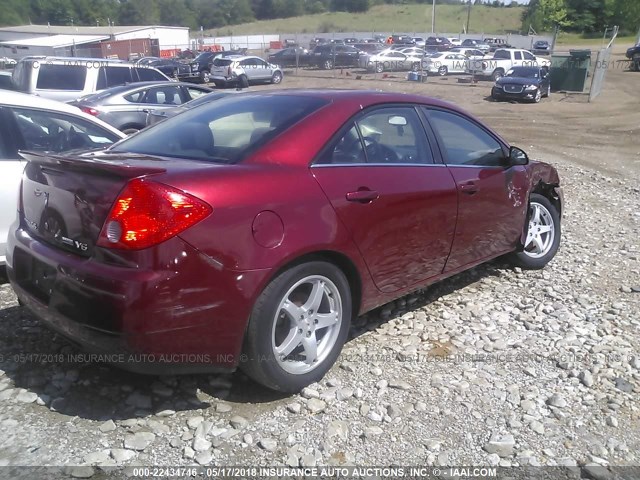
496,366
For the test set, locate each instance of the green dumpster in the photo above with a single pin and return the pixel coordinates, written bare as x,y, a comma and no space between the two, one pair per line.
569,71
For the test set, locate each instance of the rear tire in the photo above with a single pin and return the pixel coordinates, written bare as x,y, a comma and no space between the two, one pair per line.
131,130
543,234
298,326
442,71
328,65
243,81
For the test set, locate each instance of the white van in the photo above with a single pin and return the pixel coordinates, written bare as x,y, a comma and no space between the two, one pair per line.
68,78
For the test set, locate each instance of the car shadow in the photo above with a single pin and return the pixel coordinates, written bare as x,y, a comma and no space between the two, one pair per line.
42,362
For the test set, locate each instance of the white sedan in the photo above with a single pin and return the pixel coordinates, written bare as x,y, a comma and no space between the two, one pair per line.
39,125
446,62
393,60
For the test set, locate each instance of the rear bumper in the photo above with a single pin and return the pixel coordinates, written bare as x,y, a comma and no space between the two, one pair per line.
181,313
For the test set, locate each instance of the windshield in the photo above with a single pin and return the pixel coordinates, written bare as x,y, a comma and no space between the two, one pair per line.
222,131
524,72
202,57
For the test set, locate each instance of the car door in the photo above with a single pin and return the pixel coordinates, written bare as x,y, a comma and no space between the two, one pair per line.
263,71
459,63
11,168
397,201
250,69
492,197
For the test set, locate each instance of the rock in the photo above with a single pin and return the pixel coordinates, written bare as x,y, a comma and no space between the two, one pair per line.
315,405
294,407
194,422
139,441
238,422
344,393
82,472
338,428
374,431
623,385
204,458
188,452
598,472
502,445
27,397
166,413
586,378
537,427
122,455
96,457
309,393
612,421
399,384
200,444
223,408
268,444
557,400
108,426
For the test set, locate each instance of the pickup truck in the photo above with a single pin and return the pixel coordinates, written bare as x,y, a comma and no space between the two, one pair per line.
633,54
503,60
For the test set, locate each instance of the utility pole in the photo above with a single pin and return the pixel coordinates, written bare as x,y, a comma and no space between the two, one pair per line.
433,18
468,15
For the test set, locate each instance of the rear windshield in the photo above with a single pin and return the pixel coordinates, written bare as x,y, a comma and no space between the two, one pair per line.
61,77
223,131
222,62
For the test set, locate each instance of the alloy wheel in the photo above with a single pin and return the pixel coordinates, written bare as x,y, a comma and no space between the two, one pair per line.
541,232
307,324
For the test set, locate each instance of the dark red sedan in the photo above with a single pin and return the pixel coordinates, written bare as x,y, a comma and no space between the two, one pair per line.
250,231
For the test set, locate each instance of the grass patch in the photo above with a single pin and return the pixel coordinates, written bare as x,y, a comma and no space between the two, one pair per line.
410,19
581,40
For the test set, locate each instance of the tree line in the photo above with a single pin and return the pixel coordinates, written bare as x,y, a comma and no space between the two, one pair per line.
187,13
583,16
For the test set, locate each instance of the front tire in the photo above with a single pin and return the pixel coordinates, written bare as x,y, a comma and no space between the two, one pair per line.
543,234
276,78
538,96
442,71
498,74
328,65
298,327
205,76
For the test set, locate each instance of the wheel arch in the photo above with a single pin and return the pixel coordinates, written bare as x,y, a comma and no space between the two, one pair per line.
340,260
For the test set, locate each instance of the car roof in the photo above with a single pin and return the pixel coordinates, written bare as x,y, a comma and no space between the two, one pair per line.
17,99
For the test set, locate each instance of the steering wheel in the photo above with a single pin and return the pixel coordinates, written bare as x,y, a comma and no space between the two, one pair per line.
377,152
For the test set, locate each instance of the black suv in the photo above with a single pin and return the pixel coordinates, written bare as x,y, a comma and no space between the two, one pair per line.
330,56
633,54
200,67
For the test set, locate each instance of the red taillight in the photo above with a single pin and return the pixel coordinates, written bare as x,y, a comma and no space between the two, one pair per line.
147,213
90,111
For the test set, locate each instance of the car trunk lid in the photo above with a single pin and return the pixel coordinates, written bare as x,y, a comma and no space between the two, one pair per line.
65,200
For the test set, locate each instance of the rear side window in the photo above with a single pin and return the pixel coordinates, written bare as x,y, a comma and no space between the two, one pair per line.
502,54
61,77
112,76
224,132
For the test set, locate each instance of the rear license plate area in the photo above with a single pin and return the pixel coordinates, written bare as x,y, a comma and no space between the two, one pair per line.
33,275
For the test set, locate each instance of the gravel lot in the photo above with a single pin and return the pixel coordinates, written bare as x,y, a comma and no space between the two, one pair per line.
496,366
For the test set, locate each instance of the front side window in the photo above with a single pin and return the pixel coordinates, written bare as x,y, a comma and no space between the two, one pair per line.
383,136
43,130
61,77
465,143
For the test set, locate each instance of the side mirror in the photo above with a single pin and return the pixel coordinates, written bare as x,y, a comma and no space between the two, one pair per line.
517,156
